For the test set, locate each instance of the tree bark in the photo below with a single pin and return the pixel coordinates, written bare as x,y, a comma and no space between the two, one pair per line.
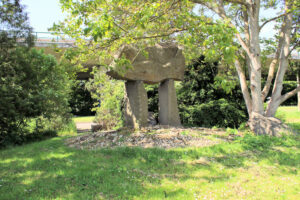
277,98
255,61
244,87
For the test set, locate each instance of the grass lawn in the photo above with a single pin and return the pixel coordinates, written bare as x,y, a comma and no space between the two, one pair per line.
252,167
290,115
83,119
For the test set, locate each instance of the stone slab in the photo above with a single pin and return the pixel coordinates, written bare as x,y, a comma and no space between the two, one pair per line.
163,61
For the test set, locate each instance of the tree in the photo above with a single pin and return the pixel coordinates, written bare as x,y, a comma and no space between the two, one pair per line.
233,32
110,94
32,84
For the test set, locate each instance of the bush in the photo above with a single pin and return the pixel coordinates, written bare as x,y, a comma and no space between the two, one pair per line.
202,102
221,113
110,94
32,85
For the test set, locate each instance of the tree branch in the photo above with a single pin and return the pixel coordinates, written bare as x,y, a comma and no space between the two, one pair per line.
272,19
294,47
241,2
289,94
244,86
274,63
161,35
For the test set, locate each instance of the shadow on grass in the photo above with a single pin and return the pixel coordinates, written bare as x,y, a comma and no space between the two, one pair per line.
49,170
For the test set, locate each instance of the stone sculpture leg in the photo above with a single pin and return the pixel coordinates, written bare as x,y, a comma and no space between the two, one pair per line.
136,104
168,108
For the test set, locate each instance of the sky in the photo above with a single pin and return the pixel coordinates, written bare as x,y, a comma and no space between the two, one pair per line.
43,13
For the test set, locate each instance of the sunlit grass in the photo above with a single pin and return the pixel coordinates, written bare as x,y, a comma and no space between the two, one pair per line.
84,119
290,115
250,167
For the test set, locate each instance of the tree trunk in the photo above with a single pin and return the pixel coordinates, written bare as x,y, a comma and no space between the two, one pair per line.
255,61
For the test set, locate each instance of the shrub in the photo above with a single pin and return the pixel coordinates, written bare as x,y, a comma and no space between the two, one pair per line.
221,113
110,94
32,85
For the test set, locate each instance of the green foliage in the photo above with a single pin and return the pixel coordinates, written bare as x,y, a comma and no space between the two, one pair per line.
81,102
13,25
152,93
221,113
110,94
204,102
111,24
32,85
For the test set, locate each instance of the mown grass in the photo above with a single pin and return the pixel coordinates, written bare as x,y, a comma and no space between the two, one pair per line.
290,115
250,167
83,119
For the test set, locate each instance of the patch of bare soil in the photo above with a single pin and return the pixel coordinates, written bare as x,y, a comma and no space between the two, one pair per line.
158,136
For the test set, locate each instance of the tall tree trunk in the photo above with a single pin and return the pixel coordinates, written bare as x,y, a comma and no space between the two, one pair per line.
255,61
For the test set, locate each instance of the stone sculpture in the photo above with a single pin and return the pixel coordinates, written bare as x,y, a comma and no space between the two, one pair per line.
163,64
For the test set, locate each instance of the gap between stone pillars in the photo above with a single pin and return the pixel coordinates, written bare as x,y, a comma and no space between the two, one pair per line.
136,104
168,108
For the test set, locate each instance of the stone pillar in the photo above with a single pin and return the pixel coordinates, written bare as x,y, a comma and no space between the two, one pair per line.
168,108
136,104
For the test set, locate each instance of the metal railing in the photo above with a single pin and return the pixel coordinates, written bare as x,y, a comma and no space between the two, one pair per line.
43,39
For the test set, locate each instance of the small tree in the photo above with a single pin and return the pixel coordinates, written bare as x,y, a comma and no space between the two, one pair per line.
32,84
110,94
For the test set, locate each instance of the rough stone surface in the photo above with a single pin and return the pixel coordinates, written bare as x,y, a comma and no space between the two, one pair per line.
164,61
168,108
157,136
136,105
262,125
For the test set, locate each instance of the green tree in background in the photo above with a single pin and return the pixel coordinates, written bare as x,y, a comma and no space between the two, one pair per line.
110,94
81,102
32,85
202,102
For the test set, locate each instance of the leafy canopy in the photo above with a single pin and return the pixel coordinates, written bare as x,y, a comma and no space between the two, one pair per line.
101,27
